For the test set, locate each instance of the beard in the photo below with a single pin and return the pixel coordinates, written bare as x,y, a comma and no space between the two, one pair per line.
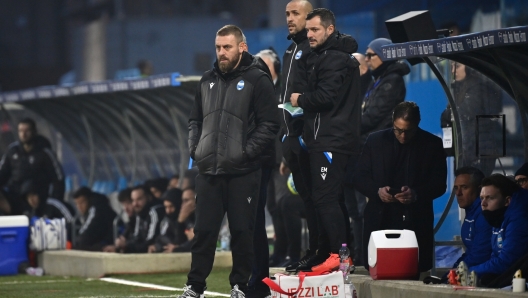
229,65
317,43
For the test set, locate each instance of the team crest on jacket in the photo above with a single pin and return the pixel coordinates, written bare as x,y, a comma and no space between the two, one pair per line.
298,55
240,85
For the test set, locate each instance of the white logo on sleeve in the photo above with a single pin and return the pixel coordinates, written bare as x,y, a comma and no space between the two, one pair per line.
240,85
211,85
298,55
249,200
324,172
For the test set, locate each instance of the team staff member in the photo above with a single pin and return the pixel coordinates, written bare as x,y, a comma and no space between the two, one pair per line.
233,120
294,79
30,161
332,111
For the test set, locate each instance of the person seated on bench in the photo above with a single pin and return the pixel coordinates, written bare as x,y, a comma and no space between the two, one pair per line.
97,219
172,234
505,207
149,212
475,231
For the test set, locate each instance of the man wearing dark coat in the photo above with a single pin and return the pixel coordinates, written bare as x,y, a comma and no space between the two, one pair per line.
411,161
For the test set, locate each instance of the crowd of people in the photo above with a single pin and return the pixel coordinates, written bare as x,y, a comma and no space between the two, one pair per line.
357,157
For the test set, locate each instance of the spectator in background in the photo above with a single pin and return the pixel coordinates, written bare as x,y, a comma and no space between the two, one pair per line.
186,216
521,176
30,160
474,95
189,178
475,231
145,68
97,219
172,234
149,212
174,181
364,74
125,229
385,92
157,186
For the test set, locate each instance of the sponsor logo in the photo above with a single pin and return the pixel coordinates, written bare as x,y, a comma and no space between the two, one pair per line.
211,85
298,55
322,291
249,199
240,85
324,172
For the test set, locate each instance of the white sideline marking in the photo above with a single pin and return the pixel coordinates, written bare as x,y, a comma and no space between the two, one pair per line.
153,286
36,282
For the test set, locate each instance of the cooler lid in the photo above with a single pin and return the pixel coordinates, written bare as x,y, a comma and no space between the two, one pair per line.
14,221
389,239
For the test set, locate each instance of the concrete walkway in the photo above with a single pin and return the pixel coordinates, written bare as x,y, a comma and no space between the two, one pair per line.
98,264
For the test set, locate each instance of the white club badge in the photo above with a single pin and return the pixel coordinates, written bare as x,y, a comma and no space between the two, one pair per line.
240,85
298,55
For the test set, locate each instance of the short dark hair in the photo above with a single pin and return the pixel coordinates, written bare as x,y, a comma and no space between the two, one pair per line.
125,195
144,188
408,111
175,176
505,185
232,30
475,175
29,122
158,183
84,191
326,15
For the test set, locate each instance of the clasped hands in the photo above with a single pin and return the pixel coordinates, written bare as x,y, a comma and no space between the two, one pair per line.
406,196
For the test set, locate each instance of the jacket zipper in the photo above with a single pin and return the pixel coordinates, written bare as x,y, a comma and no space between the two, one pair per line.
219,119
286,90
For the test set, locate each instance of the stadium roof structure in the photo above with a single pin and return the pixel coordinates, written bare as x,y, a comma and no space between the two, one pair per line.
136,128
501,55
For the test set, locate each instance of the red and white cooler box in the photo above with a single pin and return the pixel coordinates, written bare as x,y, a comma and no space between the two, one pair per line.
14,233
393,254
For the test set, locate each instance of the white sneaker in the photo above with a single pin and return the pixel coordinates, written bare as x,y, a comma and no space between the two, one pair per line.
188,292
236,293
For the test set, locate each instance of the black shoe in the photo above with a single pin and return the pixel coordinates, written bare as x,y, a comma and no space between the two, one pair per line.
293,266
314,260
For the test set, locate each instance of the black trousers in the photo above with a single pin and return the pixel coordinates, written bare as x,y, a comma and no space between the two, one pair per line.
260,238
216,195
298,160
328,173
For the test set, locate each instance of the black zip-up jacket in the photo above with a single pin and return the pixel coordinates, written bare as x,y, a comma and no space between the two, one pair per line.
234,119
293,79
383,95
97,228
332,102
147,227
171,232
39,167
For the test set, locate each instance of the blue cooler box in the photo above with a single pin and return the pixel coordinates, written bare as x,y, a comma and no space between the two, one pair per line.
14,233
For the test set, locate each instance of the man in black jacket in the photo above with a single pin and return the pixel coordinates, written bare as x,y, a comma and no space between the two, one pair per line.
30,161
149,213
385,92
172,233
97,219
234,119
294,79
332,115
412,162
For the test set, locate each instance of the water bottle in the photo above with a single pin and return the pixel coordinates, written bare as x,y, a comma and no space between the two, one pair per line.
343,264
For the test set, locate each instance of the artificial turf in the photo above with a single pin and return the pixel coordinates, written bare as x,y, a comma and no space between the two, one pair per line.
22,286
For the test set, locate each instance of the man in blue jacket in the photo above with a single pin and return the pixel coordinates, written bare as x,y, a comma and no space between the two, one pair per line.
475,231
505,207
